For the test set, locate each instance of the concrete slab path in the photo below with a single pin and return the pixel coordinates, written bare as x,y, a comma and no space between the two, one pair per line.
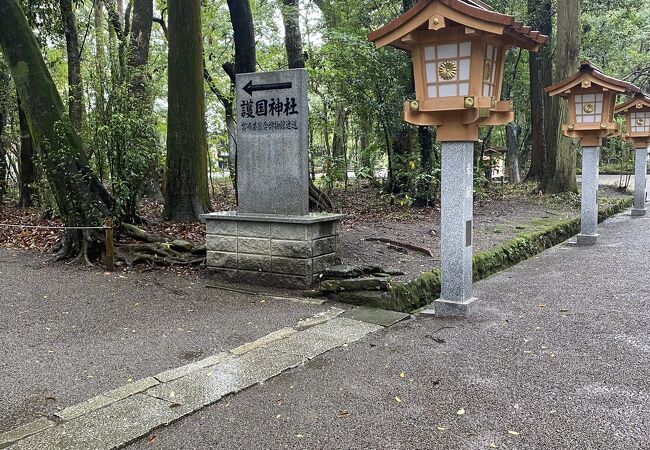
555,356
68,334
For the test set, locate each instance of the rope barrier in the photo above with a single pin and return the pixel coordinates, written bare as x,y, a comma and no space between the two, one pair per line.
11,225
108,228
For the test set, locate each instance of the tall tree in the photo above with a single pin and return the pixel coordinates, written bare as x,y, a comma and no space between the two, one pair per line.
141,22
292,35
27,168
187,150
541,75
80,197
75,84
4,84
241,17
560,175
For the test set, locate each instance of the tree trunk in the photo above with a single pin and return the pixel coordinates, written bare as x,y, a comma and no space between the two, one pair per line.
3,148
115,18
75,84
139,46
292,36
80,197
541,74
4,114
187,148
512,155
27,155
561,175
339,145
244,34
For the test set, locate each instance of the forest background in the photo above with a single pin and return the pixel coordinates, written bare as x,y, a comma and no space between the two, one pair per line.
147,87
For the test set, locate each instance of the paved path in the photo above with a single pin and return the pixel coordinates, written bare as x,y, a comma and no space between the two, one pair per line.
556,356
68,334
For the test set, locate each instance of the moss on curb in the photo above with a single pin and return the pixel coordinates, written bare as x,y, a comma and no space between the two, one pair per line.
423,290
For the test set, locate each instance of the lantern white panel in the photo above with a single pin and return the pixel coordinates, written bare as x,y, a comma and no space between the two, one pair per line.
433,91
463,89
448,51
432,73
463,69
448,90
465,49
430,53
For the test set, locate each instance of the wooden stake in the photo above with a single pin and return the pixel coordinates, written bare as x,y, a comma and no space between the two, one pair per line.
110,254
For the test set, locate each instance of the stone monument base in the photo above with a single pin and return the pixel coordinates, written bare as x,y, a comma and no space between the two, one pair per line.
449,308
585,240
272,250
638,212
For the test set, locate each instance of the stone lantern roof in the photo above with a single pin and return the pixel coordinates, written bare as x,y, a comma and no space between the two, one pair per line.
588,74
440,14
639,101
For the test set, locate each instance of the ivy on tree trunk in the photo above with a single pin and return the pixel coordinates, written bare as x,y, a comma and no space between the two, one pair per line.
81,199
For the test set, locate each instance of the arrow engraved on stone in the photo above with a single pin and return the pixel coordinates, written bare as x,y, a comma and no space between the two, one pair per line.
250,87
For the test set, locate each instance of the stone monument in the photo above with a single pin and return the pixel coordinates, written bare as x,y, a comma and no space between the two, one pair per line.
272,239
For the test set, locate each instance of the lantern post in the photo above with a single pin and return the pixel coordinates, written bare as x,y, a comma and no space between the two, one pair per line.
458,49
637,119
592,97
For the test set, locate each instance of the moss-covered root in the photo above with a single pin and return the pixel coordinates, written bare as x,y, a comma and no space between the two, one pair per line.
425,289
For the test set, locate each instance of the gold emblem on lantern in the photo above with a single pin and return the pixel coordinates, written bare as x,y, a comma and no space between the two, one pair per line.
588,108
414,105
487,71
640,121
447,70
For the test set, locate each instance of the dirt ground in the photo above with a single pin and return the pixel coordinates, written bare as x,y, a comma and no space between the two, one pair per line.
500,213
499,216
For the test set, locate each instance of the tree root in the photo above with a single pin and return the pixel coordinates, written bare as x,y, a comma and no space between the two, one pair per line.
319,199
157,254
416,248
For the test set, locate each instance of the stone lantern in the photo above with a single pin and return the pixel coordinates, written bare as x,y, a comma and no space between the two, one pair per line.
637,117
458,49
592,97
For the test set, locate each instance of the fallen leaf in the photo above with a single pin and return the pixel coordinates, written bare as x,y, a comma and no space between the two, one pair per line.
172,394
541,306
397,399
299,435
343,413
513,433
461,412
442,428
492,445
152,439
402,374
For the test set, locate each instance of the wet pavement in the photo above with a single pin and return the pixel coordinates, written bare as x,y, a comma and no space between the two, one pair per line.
555,356
68,334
